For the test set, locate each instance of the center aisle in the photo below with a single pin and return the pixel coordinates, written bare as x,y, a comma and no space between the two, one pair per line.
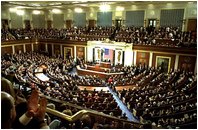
120,103
123,107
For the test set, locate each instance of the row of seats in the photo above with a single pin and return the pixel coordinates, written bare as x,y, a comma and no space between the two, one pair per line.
62,85
146,99
167,100
23,67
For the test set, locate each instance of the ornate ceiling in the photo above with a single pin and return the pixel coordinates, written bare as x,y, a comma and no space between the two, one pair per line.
70,4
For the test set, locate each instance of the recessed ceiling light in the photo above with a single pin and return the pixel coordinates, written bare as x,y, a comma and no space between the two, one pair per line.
35,5
36,12
56,11
75,2
78,10
169,4
12,9
20,12
20,7
119,8
84,1
84,5
55,3
134,6
18,3
104,7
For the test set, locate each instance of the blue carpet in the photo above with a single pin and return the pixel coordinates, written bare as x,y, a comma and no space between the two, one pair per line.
123,107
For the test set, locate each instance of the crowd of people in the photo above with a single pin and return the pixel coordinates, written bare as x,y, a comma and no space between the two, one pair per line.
166,100
22,69
18,112
163,36
6,35
143,36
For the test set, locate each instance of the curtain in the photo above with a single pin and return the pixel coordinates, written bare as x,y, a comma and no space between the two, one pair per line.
104,19
80,19
38,21
172,17
58,21
16,20
135,18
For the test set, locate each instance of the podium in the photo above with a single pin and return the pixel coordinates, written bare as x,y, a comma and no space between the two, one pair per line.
105,64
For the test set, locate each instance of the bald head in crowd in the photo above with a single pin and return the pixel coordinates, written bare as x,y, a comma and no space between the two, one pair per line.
7,86
8,113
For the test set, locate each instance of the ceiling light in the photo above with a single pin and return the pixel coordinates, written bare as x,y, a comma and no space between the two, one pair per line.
20,7
84,1
150,6
36,5
69,10
56,11
75,2
12,2
78,10
119,8
20,12
134,7
104,7
17,3
12,9
85,5
169,4
55,3
36,12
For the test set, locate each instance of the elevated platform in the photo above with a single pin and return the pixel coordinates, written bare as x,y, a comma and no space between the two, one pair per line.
102,75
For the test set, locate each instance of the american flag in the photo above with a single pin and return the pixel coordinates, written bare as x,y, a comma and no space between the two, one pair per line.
108,54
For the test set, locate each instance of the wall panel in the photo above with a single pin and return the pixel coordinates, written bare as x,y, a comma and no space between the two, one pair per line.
143,58
187,63
7,49
69,47
38,21
36,47
28,47
18,48
135,18
16,20
79,19
42,47
172,58
80,52
172,17
58,21
49,47
57,50
104,19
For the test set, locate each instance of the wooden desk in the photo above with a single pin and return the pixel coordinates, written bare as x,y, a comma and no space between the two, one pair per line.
97,73
97,68
105,64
